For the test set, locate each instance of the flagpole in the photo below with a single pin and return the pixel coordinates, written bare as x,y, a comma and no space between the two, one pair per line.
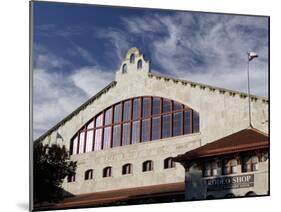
248,72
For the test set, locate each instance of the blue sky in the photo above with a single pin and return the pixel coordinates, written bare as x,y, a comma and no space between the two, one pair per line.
78,48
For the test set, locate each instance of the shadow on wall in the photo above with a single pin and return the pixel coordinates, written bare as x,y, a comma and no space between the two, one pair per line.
49,205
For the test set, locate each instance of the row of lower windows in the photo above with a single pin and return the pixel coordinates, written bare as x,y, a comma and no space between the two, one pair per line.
229,166
126,169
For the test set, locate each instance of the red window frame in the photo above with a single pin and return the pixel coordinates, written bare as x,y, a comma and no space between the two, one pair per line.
175,107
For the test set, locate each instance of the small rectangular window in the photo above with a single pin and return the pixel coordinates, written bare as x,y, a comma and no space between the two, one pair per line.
81,142
156,128
99,120
146,107
98,139
108,116
126,134
196,123
166,107
187,127
106,137
145,133
116,135
89,144
177,123
156,106
166,126
75,145
136,132
136,108
117,113
127,111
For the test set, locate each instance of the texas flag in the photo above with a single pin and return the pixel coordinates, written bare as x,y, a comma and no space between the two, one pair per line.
252,55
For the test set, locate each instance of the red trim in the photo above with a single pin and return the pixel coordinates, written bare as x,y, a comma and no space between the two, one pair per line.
130,121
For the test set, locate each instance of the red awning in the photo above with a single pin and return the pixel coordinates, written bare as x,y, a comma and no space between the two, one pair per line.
114,196
244,140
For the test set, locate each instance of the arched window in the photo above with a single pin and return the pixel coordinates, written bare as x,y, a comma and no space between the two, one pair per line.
132,58
71,178
229,166
210,168
147,166
132,121
107,172
139,66
169,163
124,68
127,169
88,174
249,163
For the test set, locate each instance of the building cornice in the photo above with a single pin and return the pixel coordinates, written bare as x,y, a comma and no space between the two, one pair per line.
204,86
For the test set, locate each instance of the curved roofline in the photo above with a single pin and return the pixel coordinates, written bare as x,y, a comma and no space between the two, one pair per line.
150,74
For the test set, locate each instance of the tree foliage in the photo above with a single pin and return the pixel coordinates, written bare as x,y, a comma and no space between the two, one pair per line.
51,165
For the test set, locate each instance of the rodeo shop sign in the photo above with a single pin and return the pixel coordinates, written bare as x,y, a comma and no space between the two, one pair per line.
221,183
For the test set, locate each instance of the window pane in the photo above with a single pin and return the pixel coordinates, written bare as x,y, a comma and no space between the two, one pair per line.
255,167
146,107
177,120
156,106
127,111
117,113
156,128
91,125
187,129
177,106
98,134
126,134
166,106
99,120
195,122
136,108
108,116
145,133
136,132
116,135
166,126
81,142
75,144
106,137
139,64
89,144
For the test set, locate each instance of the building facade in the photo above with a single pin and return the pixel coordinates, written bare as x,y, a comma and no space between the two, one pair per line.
125,136
233,166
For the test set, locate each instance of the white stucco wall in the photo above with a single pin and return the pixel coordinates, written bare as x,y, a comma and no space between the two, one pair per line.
221,112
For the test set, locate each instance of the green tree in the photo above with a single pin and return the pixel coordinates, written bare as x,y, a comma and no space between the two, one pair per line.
51,165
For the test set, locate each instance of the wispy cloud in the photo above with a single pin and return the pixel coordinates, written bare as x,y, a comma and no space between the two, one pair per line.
206,48
199,47
57,93
120,42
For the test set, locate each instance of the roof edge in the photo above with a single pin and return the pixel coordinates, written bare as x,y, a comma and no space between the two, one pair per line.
180,158
205,85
